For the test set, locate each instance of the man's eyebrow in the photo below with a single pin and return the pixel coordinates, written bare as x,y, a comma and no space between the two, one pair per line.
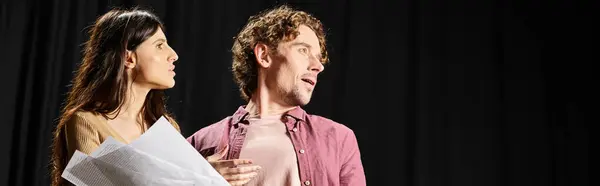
301,44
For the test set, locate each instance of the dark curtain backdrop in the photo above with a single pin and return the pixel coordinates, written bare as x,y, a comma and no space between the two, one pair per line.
466,92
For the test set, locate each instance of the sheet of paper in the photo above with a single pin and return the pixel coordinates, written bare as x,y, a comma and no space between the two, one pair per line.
92,171
161,156
128,166
162,134
81,171
109,145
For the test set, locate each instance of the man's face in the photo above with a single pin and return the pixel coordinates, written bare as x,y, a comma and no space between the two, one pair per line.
293,74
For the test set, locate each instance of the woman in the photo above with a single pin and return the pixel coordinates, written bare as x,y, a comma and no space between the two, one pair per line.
117,90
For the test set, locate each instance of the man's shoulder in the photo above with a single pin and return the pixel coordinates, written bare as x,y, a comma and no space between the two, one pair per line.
326,124
208,138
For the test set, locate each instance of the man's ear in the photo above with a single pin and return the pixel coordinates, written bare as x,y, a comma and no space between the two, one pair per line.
261,52
130,59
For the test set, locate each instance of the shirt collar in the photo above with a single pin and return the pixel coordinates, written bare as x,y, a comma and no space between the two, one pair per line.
241,114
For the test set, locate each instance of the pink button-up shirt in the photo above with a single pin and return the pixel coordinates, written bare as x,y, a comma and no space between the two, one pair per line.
327,151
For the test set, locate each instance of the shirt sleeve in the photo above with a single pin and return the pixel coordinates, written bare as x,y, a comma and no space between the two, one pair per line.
351,173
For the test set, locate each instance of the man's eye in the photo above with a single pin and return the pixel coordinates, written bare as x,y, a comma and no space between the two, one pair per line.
303,50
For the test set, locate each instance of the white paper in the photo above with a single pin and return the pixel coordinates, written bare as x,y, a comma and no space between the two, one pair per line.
161,156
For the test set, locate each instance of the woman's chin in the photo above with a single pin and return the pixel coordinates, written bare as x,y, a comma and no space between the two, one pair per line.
165,85
170,85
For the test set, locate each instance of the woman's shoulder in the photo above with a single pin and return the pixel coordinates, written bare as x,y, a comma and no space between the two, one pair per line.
85,118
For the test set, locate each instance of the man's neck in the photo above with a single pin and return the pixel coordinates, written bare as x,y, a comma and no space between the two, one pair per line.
262,104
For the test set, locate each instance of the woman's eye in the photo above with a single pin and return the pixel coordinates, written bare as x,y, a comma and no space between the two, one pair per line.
159,46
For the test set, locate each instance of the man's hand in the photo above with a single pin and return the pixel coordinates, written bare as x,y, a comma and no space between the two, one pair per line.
235,171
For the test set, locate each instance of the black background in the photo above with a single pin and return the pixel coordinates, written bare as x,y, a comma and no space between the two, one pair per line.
438,92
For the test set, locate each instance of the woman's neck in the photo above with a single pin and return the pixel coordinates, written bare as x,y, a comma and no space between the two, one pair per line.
133,103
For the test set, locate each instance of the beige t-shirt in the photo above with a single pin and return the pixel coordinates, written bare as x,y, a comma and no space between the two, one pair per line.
268,145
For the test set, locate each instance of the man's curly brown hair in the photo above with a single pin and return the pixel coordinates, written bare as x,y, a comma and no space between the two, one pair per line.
271,28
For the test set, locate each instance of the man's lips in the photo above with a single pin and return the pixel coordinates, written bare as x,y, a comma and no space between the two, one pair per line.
309,81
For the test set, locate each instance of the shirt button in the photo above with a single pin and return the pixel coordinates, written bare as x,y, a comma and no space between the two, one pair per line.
295,129
301,151
307,183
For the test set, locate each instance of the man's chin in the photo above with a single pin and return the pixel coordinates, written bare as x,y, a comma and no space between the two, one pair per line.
303,102
298,98
299,101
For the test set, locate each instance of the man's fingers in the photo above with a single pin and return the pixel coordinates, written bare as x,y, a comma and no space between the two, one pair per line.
219,155
239,182
239,177
237,162
233,163
241,170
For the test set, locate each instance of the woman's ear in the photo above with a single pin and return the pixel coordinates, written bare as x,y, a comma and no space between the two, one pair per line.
130,59
261,52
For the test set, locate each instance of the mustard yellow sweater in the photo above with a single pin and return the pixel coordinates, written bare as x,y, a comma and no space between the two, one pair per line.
85,131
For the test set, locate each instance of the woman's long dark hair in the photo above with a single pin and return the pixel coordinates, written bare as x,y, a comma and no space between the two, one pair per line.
101,83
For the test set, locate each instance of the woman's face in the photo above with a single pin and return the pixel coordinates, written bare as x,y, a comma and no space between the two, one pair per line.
152,63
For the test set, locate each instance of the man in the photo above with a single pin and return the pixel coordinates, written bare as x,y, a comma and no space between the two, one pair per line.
276,60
